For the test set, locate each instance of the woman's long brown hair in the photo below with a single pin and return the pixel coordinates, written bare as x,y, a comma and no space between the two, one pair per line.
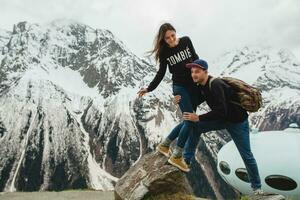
159,41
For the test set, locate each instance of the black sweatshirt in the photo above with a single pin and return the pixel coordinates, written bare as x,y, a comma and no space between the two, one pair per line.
218,98
176,58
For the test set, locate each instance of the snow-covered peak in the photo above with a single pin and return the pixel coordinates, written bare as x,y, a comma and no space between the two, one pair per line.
65,23
4,32
23,27
73,27
70,27
4,37
264,67
101,59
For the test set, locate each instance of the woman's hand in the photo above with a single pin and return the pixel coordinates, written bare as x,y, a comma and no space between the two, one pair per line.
142,92
177,99
190,117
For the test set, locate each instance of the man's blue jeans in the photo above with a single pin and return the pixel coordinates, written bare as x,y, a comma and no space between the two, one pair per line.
188,103
240,135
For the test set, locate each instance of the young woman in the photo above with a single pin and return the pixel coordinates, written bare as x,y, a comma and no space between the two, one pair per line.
175,53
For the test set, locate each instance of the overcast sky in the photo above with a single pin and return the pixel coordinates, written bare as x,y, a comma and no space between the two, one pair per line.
214,26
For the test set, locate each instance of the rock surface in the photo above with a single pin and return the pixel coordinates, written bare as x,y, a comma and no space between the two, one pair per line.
266,196
152,178
64,195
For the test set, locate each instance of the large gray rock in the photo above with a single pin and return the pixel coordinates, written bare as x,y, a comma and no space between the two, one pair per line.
153,178
266,196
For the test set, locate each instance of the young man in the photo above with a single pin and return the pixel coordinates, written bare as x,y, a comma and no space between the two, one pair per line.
223,115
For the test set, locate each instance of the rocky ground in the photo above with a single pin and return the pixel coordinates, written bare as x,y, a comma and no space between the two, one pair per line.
65,195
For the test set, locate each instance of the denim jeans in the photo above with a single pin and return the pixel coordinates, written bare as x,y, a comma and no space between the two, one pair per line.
188,103
239,133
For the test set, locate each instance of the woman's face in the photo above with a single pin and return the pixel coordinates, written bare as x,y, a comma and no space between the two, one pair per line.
170,38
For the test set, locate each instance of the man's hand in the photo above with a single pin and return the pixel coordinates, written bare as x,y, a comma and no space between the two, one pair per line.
142,92
177,99
190,117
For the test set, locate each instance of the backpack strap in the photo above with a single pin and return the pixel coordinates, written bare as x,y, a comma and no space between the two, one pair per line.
210,81
209,84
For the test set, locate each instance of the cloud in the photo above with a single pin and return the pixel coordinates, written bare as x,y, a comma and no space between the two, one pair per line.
214,26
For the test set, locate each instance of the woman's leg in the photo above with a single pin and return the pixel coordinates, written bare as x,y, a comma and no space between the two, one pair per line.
186,126
184,129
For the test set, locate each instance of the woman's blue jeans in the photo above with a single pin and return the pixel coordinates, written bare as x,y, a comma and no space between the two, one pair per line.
188,103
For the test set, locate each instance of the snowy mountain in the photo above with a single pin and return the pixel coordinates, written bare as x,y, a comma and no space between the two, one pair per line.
70,116
4,37
67,107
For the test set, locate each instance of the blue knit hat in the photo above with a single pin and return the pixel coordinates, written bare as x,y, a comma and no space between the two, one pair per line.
198,63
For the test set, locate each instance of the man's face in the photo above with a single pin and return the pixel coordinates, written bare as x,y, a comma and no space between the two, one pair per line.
198,74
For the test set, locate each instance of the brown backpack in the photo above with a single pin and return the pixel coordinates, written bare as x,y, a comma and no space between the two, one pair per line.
249,97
